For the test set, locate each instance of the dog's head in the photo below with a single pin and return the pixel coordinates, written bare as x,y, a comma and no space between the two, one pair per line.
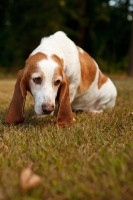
44,77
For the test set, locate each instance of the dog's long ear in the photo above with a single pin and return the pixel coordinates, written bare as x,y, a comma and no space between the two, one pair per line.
65,115
16,108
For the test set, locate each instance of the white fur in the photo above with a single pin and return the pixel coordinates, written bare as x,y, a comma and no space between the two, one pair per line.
93,99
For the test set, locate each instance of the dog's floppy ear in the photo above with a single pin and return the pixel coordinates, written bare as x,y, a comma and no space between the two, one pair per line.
16,108
65,115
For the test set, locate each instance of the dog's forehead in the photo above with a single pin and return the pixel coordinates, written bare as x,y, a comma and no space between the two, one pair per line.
52,66
46,64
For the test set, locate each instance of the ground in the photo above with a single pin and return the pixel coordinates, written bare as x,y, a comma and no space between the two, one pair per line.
92,159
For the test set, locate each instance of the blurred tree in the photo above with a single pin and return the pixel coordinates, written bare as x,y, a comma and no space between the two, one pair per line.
130,16
130,64
95,25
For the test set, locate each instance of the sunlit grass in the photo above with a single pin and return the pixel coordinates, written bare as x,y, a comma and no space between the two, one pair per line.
92,159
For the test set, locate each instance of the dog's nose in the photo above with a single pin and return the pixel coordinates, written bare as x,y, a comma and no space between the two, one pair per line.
47,109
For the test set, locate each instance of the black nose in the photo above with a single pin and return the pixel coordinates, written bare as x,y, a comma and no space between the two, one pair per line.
47,109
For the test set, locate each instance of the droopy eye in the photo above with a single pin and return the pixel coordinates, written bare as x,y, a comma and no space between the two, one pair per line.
57,82
37,80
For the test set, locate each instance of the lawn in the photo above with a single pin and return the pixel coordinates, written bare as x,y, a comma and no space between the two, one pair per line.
92,159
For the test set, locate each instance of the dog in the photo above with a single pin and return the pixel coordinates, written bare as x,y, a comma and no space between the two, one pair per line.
59,71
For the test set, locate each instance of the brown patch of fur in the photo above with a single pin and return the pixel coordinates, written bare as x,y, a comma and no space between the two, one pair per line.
59,69
58,60
88,71
102,79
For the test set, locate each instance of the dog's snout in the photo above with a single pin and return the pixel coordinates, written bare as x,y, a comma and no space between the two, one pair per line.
47,109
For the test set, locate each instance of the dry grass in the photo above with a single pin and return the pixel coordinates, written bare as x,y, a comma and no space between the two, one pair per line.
92,159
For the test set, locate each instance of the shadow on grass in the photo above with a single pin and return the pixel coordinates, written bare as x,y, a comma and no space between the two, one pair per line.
31,119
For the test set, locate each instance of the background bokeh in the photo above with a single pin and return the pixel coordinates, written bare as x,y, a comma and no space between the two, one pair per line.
101,27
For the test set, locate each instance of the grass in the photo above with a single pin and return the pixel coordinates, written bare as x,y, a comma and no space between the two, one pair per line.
92,159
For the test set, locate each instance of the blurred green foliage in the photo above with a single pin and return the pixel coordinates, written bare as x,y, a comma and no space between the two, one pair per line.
100,29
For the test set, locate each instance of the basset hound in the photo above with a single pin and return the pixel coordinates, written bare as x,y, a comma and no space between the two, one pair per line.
59,71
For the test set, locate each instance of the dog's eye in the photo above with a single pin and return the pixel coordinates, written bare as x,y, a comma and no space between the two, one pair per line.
57,82
37,80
